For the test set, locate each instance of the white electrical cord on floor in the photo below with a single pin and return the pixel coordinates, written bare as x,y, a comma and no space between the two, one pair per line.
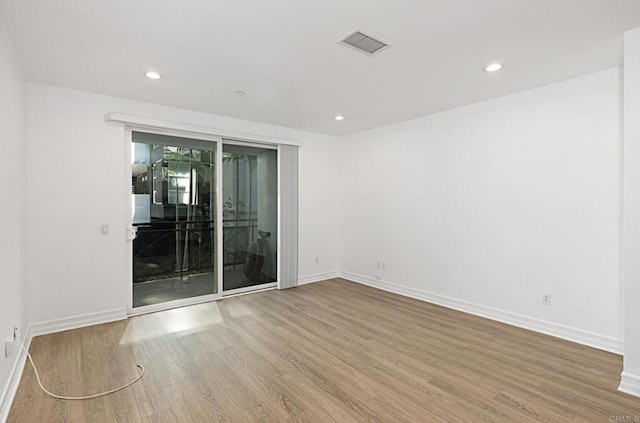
140,366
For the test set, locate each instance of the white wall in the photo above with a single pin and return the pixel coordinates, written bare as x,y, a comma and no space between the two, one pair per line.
490,206
77,183
13,205
631,246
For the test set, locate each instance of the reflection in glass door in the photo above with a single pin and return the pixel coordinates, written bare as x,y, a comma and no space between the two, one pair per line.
250,216
173,197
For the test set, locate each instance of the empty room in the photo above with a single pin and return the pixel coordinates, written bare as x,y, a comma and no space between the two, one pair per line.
320,211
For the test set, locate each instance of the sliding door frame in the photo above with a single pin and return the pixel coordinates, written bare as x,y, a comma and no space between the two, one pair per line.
131,310
219,142
268,285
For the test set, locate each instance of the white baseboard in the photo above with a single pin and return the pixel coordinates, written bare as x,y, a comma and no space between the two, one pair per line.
559,331
317,277
11,388
74,322
630,384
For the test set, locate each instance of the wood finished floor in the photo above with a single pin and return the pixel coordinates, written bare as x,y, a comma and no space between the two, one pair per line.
332,351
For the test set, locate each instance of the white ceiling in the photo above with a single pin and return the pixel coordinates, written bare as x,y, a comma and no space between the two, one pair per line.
283,53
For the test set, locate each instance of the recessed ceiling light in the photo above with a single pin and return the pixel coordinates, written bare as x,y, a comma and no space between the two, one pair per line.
494,67
153,75
240,93
339,117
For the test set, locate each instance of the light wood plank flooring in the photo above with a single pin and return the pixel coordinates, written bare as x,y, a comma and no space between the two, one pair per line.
332,351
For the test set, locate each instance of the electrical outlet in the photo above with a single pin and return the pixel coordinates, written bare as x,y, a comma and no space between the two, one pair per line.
9,343
378,278
317,260
546,299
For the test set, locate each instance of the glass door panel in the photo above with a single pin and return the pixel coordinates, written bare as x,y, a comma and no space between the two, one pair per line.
250,216
173,196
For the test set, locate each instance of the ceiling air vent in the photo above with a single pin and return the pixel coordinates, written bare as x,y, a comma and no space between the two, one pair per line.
364,43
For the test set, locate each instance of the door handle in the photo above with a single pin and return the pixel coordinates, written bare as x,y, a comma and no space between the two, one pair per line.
132,233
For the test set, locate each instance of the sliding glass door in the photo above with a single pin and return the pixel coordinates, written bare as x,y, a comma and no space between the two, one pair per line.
173,194
182,190
250,216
